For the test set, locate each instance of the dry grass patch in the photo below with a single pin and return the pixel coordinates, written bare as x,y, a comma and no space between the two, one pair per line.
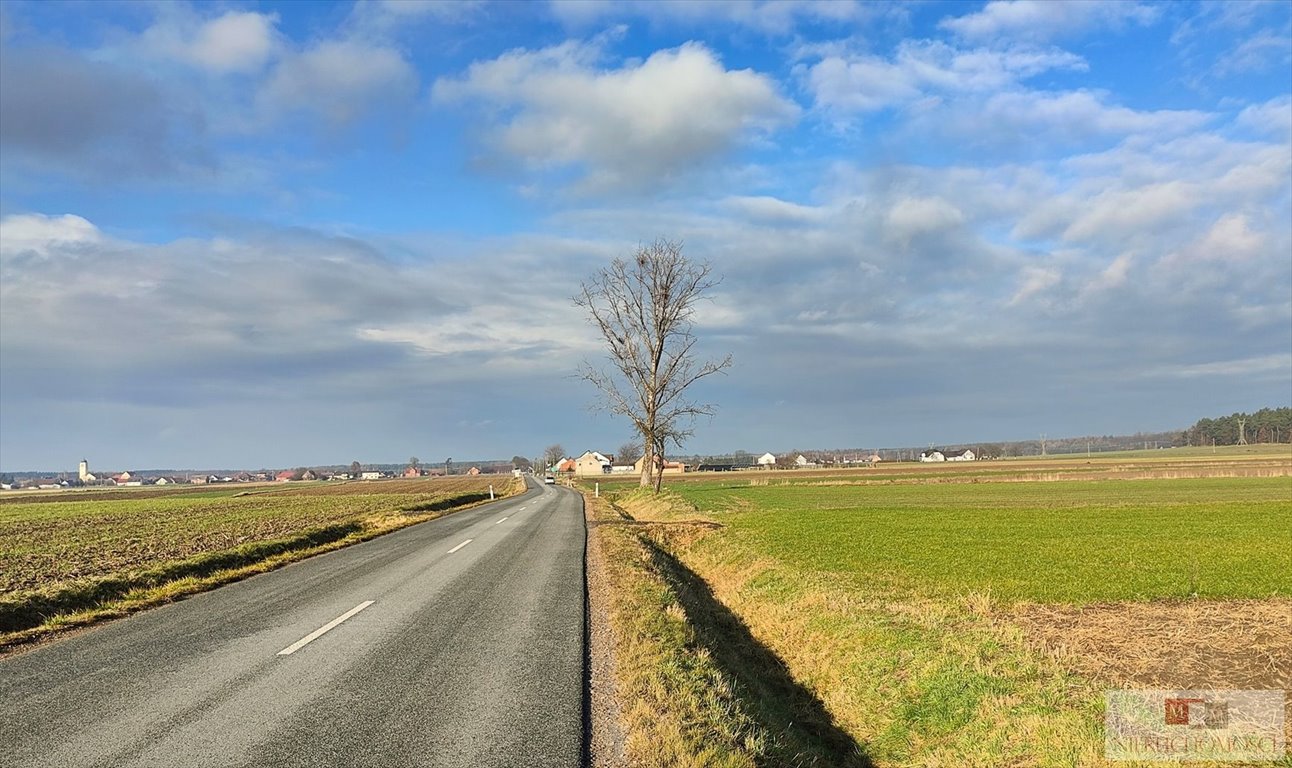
1193,644
1198,644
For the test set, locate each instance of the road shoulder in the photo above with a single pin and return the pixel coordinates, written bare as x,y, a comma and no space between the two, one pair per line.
606,738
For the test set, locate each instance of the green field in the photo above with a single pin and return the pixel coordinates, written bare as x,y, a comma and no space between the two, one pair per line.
72,557
1065,541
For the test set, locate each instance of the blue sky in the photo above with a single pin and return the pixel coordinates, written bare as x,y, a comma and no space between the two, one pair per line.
259,234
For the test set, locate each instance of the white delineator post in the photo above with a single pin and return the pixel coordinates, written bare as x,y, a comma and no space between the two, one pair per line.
491,491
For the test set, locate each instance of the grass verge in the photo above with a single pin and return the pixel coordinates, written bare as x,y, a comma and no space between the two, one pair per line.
696,687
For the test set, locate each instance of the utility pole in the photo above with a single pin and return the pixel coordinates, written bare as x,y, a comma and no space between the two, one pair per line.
1242,431
1042,443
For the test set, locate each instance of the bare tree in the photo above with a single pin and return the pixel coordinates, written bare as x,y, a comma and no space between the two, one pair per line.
629,452
355,468
413,462
552,454
643,307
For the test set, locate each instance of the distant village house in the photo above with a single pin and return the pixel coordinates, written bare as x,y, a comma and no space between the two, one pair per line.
668,467
591,464
935,454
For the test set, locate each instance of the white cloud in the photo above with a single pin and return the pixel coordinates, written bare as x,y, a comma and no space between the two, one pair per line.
413,9
1262,51
1003,244
521,324
235,42
340,80
1136,212
491,330
1234,37
1080,113
40,234
943,93
1114,277
1115,274
772,210
1154,193
1264,170
1231,237
583,12
767,16
851,83
860,84
1273,118
1034,281
1280,363
1225,171
383,18
628,127
913,216
192,304
1042,20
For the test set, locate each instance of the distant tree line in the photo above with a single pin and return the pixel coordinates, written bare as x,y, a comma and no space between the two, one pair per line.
1268,425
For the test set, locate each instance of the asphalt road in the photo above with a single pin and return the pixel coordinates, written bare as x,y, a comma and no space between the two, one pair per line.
449,655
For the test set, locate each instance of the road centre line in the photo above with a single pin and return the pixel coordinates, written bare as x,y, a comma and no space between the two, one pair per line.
501,521
460,546
328,627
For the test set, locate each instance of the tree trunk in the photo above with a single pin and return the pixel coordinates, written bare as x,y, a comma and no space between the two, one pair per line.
648,464
657,463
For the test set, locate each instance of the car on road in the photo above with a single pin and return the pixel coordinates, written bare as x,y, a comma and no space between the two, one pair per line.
549,480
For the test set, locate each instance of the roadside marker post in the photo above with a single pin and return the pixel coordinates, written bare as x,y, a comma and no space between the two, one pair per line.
491,491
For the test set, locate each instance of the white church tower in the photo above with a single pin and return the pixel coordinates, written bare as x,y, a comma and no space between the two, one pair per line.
83,471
